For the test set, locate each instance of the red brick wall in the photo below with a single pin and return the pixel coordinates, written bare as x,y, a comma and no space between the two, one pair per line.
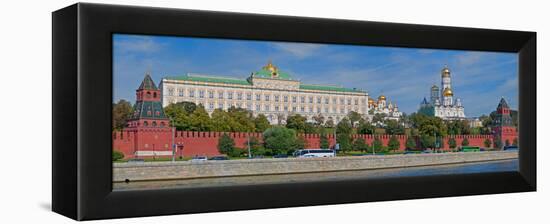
205,143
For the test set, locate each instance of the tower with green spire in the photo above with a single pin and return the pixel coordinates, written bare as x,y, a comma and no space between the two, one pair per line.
149,123
503,127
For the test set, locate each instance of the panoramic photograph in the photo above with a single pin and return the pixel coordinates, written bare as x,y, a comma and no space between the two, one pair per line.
204,112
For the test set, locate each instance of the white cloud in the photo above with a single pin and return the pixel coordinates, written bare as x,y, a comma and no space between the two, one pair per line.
137,44
299,50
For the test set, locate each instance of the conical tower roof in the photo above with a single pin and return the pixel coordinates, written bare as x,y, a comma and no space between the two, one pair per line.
502,104
147,83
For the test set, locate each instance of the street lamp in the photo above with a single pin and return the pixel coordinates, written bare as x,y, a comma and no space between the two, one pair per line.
173,139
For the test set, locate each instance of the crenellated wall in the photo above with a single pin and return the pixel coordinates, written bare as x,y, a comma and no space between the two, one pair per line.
190,143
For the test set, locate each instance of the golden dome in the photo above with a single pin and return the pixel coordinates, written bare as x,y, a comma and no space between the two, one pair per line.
445,72
270,67
371,101
447,92
381,97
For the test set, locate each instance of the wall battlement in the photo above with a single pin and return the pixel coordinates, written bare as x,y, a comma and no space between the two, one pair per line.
191,143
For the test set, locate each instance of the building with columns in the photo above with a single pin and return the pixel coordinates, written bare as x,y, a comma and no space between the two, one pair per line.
269,91
442,102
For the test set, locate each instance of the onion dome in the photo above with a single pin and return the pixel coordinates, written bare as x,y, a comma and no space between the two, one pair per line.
371,101
270,67
381,97
447,92
445,72
434,87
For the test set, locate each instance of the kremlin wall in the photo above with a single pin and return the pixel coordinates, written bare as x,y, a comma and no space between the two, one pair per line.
191,143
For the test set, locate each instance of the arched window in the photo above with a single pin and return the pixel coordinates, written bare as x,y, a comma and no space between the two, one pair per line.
148,94
154,123
157,113
145,123
155,95
162,124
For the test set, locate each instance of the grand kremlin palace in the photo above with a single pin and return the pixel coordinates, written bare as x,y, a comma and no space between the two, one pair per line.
269,91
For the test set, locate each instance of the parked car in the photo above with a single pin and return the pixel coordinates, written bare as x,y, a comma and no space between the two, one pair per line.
511,148
280,156
135,160
219,158
199,159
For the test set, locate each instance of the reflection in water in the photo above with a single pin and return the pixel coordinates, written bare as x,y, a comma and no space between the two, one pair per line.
495,166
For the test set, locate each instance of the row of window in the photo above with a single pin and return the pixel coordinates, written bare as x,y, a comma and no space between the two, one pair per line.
286,108
147,124
258,97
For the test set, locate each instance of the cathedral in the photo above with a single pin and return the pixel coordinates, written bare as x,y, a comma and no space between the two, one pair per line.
442,102
381,106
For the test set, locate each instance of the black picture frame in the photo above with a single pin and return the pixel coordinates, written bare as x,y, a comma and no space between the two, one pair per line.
82,96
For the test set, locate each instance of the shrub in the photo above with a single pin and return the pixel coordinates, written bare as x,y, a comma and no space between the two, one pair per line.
117,155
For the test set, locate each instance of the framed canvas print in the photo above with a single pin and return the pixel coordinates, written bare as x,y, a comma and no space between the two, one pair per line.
167,111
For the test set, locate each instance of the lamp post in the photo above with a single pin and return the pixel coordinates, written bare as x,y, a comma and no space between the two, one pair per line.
248,143
173,139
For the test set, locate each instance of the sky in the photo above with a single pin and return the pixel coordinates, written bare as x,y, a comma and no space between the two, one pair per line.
403,75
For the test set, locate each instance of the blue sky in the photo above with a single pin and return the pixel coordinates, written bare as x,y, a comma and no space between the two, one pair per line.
403,75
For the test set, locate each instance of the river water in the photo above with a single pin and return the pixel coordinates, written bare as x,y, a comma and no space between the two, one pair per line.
465,168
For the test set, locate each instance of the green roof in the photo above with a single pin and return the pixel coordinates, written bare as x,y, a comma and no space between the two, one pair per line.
329,88
148,83
215,79
148,110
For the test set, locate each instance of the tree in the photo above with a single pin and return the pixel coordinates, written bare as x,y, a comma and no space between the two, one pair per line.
221,121
122,111
243,121
117,155
353,117
226,144
452,143
411,143
279,140
179,113
360,144
515,142
465,142
329,123
323,141
394,143
378,119
255,146
487,143
377,144
343,134
199,119
300,143
365,127
319,120
261,123
427,141
393,127
296,122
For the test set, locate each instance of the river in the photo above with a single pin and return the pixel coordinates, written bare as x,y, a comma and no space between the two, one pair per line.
465,168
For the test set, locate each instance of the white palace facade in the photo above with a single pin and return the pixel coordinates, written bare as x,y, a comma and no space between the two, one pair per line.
268,91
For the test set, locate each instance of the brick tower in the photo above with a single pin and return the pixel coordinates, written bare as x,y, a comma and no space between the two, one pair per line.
503,126
151,127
